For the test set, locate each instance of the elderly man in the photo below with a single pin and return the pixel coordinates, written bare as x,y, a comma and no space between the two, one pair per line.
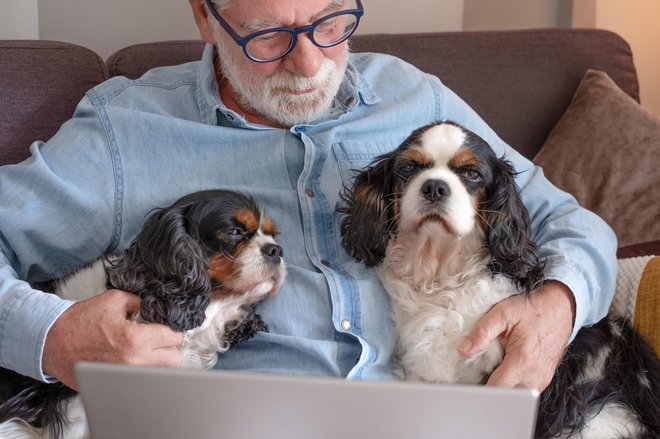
278,108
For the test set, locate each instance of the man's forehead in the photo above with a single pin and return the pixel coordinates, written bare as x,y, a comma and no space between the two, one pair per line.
255,14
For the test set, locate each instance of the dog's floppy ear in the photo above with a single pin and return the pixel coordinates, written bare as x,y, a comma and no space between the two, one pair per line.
508,231
367,223
167,268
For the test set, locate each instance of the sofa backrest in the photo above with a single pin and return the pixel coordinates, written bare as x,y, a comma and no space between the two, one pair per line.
41,82
520,82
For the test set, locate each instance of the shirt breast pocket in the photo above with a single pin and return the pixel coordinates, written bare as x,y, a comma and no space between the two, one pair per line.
355,156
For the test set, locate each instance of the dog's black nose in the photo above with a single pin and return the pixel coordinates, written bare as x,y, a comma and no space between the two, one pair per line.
272,252
435,190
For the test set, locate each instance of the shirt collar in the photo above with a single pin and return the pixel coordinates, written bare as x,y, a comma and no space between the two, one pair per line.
354,90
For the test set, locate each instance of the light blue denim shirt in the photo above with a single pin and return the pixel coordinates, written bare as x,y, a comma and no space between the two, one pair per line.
134,145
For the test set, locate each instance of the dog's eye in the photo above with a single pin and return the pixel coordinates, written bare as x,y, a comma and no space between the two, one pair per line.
236,231
472,175
407,169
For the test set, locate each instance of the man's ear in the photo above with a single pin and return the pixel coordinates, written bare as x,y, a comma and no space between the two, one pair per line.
201,15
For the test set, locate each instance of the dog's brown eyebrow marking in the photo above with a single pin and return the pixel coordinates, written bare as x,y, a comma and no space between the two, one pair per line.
248,219
464,157
416,154
268,226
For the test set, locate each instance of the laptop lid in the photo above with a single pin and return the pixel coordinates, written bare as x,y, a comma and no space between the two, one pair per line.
125,402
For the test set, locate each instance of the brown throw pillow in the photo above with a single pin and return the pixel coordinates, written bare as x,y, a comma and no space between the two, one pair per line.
605,150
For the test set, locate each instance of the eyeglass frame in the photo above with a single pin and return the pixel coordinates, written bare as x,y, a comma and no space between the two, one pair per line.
243,41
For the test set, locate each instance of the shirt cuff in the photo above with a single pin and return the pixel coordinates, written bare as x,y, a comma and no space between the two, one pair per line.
25,320
564,273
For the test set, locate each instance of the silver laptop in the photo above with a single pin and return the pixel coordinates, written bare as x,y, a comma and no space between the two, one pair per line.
148,403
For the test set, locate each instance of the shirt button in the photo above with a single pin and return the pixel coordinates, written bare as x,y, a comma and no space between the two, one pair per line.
309,193
345,325
326,263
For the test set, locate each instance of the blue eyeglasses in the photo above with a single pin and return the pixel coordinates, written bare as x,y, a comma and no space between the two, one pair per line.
272,44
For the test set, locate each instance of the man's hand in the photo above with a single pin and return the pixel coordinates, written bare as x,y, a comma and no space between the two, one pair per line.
534,332
101,329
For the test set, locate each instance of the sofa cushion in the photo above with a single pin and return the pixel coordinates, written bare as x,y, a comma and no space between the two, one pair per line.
605,151
134,60
41,82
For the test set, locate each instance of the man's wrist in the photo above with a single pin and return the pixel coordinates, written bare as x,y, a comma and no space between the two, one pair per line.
561,296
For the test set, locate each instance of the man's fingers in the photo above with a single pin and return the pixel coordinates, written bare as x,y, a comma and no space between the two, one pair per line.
130,302
506,374
161,336
484,333
167,357
514,372
153,335
533,331
100,329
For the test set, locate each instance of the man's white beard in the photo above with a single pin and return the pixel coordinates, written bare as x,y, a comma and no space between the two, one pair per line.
271,97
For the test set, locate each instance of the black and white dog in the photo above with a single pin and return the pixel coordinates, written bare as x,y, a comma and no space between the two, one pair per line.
442,221
198,267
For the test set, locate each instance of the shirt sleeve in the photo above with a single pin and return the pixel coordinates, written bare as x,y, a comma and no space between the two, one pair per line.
51,223
578,247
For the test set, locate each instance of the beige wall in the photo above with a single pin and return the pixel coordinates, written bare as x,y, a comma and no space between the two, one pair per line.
512,14
637,22
19,19
396,16
106,26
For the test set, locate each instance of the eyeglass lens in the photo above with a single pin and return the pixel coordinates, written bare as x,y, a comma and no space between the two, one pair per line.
326,33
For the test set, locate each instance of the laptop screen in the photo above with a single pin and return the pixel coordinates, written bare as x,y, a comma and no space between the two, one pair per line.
135,402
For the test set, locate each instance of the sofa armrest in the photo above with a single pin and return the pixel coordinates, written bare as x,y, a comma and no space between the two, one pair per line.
641,249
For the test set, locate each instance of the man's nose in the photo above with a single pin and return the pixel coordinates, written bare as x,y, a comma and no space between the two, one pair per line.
305,58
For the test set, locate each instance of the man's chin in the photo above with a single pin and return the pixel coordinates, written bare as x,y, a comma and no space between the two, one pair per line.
296,112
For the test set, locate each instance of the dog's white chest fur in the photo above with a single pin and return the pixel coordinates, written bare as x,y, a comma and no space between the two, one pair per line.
435,308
